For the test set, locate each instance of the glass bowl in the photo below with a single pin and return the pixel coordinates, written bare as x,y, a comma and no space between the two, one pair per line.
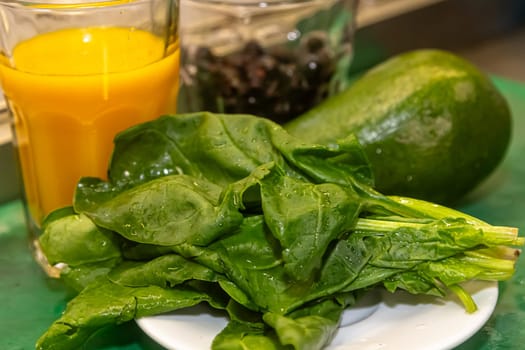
274,58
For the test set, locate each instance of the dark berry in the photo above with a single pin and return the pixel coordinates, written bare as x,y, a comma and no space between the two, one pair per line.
315,42
252,50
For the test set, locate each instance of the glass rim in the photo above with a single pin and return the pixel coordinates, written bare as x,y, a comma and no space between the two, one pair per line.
258,3
68,4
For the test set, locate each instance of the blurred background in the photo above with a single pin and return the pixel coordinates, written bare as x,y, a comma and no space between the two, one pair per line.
489,33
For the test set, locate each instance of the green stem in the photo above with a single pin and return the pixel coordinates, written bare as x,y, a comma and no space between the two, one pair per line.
464,297
489,262
493,235
499,252
379,203
378,225
435,211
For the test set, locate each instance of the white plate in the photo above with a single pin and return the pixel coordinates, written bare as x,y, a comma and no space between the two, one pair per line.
396,321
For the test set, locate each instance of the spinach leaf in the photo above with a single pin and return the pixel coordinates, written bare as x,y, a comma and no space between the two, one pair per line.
226,148
165,211
166,271
245,330
251,259
143,252
342,163
74,239
105,303
221,149
80,276
311,328
242,336
306,218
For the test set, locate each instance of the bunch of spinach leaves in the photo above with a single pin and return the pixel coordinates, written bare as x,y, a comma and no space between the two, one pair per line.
281,235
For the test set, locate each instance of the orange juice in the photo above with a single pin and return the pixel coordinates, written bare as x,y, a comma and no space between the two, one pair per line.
71,91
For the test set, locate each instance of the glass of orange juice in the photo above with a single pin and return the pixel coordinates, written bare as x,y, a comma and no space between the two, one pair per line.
75,73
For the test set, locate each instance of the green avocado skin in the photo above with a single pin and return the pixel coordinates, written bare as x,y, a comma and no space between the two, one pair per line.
432,124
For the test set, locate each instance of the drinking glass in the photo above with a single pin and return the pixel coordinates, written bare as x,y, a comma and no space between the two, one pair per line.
75,73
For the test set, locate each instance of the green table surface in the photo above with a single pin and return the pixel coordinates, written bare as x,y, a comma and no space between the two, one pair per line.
30,302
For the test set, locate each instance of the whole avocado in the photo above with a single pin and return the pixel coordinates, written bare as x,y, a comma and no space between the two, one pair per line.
432,124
